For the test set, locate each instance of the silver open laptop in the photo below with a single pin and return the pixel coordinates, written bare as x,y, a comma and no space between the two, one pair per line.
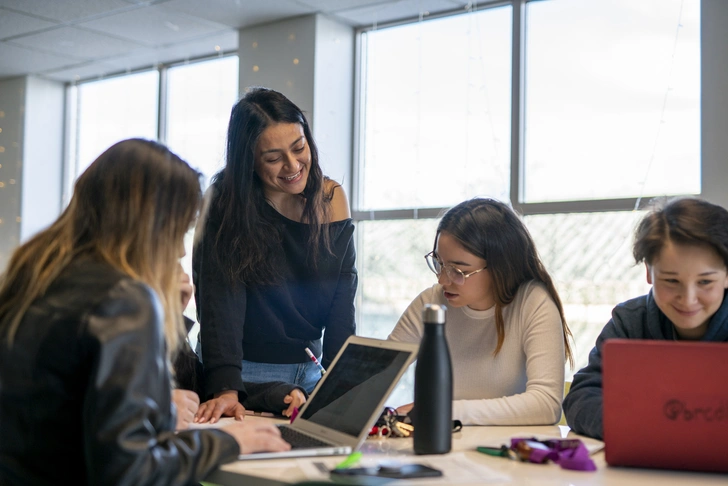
347,401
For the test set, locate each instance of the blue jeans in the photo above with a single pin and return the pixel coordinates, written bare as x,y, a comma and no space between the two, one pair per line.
305,375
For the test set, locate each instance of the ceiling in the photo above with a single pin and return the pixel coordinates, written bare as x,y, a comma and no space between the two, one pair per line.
71,40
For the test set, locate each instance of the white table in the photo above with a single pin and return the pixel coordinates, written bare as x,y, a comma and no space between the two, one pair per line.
487,469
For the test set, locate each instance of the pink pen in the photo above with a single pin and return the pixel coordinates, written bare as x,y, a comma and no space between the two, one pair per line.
316,362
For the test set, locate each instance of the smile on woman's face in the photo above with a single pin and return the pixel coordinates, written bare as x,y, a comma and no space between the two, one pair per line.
688,284
477,290
282,160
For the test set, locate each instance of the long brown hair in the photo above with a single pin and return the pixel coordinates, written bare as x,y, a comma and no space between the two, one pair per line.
247,243
492,231
131,209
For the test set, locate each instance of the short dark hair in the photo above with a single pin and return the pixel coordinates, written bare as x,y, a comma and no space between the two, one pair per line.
494,232
682,220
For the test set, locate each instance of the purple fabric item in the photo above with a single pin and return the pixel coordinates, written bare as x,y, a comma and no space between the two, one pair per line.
568,453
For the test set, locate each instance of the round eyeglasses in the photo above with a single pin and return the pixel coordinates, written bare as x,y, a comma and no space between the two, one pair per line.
453,273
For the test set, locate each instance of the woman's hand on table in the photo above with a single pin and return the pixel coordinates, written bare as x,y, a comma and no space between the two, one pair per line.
223,404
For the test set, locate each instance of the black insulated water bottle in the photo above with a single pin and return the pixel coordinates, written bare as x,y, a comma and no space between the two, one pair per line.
432,417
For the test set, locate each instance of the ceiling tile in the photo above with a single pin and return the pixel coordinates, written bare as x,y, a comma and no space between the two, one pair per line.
65,10
145,2
334,5
130,34
227,41
86,70
240,13
137,59
13,24
16,61
73,41
154,26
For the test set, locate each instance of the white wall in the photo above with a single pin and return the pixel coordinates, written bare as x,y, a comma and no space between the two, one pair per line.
31,158
267,58
333,105
12,102
714,102
42,178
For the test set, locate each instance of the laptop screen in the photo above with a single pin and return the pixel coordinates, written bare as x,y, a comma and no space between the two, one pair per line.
354,388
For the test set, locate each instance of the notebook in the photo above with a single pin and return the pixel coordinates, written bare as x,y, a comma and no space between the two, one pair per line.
347,400
666,404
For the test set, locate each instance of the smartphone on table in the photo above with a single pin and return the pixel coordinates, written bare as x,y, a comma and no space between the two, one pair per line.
395,471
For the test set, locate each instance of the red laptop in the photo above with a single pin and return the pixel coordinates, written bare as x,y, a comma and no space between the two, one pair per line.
666,404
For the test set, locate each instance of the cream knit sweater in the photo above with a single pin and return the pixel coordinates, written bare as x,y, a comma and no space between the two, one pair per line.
524,383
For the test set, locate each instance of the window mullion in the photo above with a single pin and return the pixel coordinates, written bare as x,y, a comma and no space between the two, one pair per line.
518,54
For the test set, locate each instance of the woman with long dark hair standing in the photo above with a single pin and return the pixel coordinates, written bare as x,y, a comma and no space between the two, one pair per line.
273,260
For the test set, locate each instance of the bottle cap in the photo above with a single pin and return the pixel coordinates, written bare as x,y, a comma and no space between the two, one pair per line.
434,314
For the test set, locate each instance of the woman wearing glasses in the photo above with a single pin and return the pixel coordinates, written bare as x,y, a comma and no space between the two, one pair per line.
505,323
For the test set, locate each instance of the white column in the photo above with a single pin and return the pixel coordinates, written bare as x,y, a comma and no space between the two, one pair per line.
310,59
12,102
31,158
42,179
714,103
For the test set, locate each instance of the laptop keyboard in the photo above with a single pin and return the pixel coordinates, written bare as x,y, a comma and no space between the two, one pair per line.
299,440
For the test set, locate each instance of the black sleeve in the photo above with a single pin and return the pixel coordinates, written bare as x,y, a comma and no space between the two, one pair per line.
187,367
584,403
268,397
341,320
221,314
127,413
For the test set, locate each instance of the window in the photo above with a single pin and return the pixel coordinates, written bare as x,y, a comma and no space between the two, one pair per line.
589,257
435,130
392,271
617,113
587,117
112,110
436,117
199,97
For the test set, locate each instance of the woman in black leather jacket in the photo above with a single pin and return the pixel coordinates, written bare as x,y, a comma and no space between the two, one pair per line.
90,317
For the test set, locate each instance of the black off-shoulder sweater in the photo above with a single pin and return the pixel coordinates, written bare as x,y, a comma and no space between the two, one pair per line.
274,323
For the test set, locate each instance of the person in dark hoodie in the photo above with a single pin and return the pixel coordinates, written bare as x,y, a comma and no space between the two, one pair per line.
684,245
